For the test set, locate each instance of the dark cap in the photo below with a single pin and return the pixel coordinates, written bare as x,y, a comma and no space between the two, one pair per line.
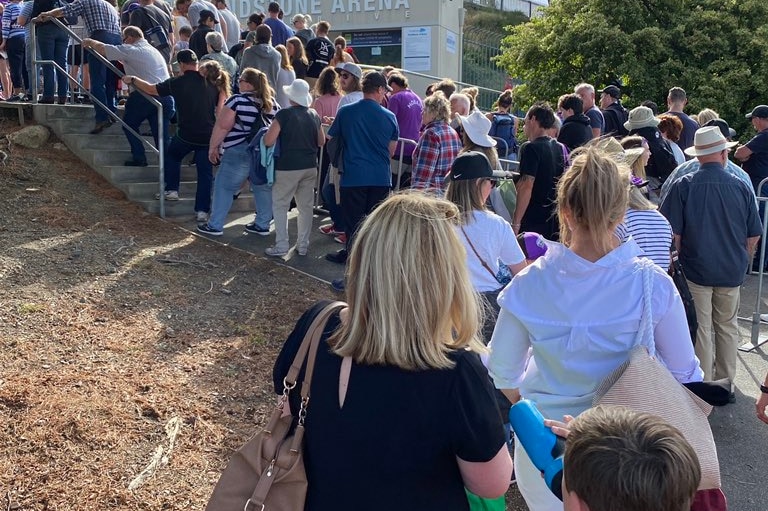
760,111
612,91
186,57
726,130
205,14
473,165
374,80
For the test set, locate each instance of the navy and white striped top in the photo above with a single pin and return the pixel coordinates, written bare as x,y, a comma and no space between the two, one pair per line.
10,23
651,231
247,109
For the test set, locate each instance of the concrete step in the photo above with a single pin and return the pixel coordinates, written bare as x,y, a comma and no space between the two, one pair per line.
185,206
151,173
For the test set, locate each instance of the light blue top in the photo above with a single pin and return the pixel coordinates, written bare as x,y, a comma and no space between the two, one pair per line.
692,166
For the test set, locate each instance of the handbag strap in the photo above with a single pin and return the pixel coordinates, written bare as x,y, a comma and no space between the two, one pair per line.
645,330
472,246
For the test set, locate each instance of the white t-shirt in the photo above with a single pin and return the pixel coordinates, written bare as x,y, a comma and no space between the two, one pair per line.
494,240
352,97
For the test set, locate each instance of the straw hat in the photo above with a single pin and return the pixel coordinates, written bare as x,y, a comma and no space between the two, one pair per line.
708,140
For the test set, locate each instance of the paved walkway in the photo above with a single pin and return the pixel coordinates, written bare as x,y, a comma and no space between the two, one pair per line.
741,438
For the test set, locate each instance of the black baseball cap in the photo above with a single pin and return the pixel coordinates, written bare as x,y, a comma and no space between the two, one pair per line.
186,57
473,165
760,111
373,80
726,130
207,14
612,91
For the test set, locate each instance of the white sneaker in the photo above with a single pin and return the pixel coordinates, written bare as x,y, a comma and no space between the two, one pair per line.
201,216
169,195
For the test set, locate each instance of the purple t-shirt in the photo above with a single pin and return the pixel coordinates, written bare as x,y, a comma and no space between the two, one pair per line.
407,107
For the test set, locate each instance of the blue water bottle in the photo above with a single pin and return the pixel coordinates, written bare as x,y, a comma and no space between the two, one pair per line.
543,447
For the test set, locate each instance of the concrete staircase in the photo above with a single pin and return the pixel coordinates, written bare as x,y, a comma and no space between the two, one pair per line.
106,152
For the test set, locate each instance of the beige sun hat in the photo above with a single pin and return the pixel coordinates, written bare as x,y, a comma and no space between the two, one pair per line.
708,140
641,117
476,126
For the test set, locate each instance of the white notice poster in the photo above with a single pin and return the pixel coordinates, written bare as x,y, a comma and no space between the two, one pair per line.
450,42
417,48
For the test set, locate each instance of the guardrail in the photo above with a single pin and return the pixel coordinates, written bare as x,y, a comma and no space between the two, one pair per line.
110,67
754,342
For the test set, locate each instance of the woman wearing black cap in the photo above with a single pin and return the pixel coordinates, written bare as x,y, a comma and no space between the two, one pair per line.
487,237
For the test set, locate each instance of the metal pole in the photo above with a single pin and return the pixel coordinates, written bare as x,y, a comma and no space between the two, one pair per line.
754,342
161,157
35,70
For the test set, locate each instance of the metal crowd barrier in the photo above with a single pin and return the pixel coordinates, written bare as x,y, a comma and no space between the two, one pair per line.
160,135
754,342
401,145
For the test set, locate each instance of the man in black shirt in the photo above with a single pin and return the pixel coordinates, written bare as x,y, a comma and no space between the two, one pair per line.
319,52
196,101
197,40
576,130
542,161
676,101
614,114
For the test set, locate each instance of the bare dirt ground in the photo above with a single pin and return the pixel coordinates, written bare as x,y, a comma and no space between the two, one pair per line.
133,356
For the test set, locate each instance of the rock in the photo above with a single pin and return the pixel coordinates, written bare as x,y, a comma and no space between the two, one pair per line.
60,147
31,136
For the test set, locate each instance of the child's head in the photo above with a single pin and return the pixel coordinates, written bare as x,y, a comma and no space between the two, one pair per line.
185,32
619,459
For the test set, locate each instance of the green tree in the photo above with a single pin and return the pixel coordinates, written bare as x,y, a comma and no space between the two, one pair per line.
715,49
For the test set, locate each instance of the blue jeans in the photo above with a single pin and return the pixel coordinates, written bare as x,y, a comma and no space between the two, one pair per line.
328,192
52,42
176,152
103,80
233,171
137,110
262,201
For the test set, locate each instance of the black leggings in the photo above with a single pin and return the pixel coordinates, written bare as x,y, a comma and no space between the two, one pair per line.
15,49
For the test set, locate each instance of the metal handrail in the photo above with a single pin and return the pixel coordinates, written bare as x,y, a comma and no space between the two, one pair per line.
401,144
154,102
463,85
755,331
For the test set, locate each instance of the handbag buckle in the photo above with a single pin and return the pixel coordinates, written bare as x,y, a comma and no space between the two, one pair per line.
248,503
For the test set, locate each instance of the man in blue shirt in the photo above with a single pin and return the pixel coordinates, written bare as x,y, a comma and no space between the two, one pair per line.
280,31
711,204
368,136
754,154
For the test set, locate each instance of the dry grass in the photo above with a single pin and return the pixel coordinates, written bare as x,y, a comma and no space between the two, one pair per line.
118,344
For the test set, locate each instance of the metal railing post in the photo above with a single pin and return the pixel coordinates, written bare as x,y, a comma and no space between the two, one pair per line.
160,149
35,70
401,143
754,342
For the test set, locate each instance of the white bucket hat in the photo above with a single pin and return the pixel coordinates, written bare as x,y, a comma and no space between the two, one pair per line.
298,92
476,126
641,117
708,140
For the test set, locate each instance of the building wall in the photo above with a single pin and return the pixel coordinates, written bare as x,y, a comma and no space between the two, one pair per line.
441,18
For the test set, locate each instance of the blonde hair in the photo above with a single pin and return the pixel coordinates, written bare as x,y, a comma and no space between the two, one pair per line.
471,93
439,106
594,194
707,115
465,193
411,301
490,152
638,201
216,76
285,60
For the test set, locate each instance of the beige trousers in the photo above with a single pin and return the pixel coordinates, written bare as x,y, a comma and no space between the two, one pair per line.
716,309
301,185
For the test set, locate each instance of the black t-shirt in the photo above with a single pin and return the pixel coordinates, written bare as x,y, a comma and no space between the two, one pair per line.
689,129
298,138
662,161
576,131
543,159
393,445
757,164
300,68
196,101
319,53
197,41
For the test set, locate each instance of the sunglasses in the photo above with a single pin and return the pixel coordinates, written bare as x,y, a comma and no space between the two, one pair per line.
344,75
494,182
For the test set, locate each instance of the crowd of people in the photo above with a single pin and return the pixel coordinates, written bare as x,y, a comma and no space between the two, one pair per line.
542,273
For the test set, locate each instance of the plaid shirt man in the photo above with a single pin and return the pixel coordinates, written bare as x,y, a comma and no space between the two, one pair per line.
97,14
438,146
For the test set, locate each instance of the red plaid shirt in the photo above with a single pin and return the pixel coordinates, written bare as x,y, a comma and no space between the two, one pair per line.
438,146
